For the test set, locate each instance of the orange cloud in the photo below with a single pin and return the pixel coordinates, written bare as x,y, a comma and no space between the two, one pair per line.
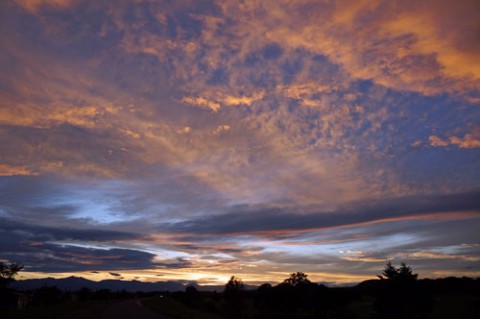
405,46
221,128
8,170
184,130
242,100
430,40
436,141
304,91
202,103
34,5
215,102
435,255
469,140
35,116
336,32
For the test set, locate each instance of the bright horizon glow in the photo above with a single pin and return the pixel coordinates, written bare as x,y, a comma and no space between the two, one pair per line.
202,278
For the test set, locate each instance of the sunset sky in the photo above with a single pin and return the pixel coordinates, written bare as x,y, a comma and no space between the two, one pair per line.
195,140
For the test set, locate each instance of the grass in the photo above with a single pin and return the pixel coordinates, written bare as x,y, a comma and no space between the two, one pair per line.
176,310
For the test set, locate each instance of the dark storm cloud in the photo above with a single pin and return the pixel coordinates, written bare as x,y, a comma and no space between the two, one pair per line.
58,258
48,233
32,246
250,219
63,249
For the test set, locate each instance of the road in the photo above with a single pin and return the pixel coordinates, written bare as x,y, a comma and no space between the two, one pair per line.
130,309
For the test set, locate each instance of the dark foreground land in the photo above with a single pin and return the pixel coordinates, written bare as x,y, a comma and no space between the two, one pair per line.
432,299
125,309
128,309
457,298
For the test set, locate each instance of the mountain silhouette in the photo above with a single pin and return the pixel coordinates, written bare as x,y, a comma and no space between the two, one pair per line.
75,283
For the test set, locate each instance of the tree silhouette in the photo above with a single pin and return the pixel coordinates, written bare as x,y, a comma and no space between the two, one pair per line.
192,295
402,274
399,295
234,296
8,273
405,273
389,272
297,278
234,285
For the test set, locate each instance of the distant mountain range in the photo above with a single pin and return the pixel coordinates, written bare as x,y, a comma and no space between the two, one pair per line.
76,283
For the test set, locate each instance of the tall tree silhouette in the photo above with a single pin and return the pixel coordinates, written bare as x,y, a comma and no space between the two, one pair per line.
234,285
399,295
234,296
402,274
405,273
8,273
389,272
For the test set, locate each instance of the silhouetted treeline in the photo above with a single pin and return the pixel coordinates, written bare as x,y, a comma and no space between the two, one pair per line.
426,298
398,293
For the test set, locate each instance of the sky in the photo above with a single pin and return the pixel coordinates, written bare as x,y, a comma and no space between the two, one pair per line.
195,140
